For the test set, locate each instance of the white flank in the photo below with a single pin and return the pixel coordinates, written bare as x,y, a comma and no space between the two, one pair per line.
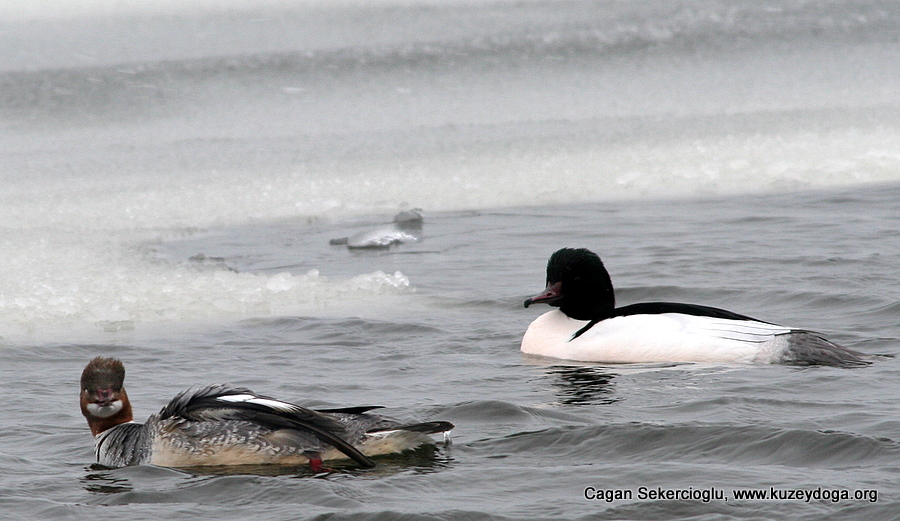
666,337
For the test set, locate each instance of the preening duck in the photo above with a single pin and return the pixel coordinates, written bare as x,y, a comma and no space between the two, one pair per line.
589,327
224,425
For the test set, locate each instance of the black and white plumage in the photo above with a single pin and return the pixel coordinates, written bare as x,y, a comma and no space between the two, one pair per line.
225,425
589,327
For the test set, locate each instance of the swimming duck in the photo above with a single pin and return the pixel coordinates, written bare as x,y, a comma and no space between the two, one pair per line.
589,327
225,425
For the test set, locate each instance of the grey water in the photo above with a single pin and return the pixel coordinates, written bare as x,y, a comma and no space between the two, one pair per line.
174,176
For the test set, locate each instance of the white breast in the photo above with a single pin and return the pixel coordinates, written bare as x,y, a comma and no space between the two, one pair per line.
666,337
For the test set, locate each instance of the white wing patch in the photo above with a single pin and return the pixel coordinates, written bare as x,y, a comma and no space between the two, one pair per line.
249,398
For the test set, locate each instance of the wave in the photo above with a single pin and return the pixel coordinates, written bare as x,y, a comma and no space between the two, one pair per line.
696,443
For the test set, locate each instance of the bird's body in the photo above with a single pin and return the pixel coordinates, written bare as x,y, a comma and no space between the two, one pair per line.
588,327
225,425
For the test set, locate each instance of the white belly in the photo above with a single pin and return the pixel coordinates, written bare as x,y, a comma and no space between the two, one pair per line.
666,337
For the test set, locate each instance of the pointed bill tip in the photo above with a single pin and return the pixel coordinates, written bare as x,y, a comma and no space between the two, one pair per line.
552,294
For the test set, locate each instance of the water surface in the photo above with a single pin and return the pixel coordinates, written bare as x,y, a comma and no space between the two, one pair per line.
173,175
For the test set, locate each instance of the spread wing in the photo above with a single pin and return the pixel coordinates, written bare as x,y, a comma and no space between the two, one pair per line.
223,402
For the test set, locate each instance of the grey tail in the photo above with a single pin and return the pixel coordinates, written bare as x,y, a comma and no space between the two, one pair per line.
424,427
808,348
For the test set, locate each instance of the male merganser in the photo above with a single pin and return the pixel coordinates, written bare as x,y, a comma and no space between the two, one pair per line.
589,327
224,425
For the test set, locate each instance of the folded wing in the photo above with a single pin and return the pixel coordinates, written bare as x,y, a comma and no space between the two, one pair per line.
226,403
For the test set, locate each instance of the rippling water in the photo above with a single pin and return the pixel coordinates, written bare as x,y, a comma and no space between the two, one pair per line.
532,434
174,174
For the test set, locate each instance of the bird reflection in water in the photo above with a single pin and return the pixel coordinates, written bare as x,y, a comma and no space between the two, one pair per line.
105,483
583,385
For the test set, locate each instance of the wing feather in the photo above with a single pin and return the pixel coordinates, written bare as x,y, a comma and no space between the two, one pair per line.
222,403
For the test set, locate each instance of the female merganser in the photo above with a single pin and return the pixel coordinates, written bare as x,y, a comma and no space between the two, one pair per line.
224,425
589,327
